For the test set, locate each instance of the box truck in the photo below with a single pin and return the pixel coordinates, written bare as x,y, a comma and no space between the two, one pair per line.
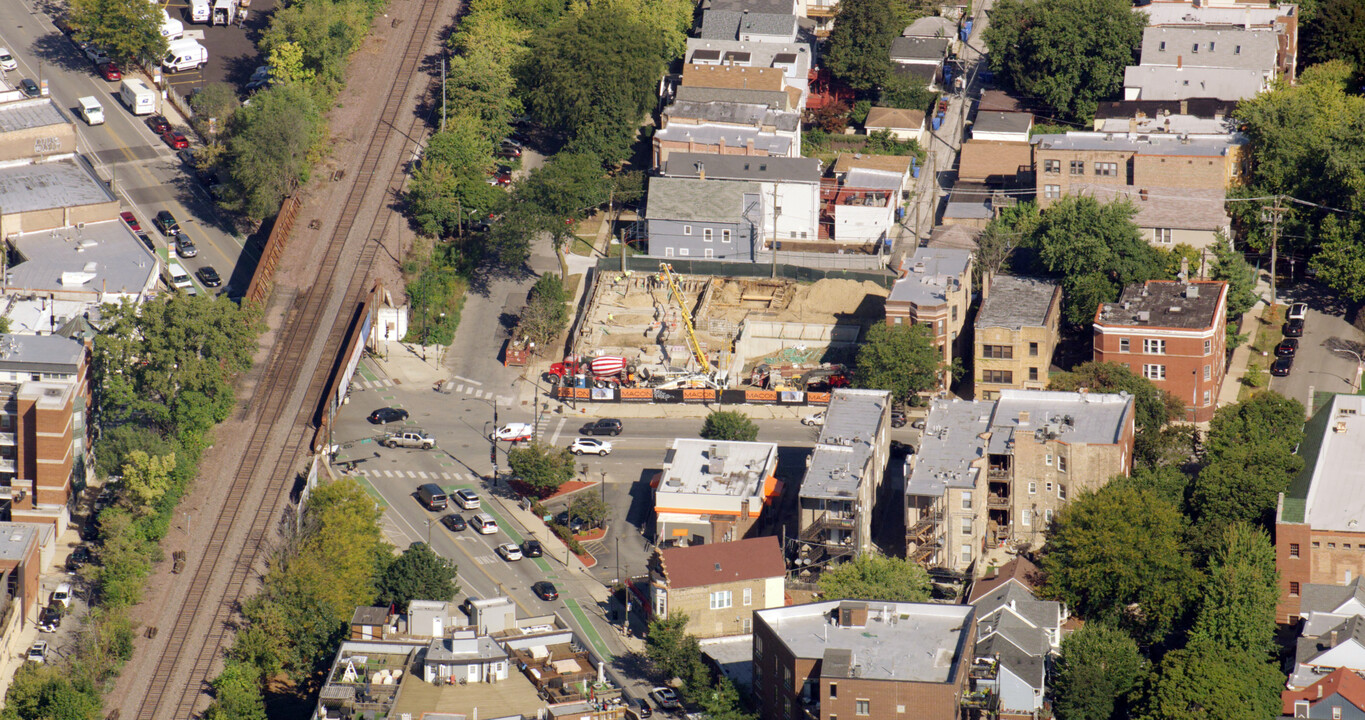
185,55
139,98
91,110
224,12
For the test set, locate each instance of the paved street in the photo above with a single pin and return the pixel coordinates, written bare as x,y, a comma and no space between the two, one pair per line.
144,171
1326,361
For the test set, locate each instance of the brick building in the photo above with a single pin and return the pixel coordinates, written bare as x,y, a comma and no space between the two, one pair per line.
1172,333
934,289
862,658
719,586
1016,333
1318,535
712,491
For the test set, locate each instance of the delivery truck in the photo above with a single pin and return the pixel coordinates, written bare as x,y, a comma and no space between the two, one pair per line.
139,98
91,110
185,55
199,11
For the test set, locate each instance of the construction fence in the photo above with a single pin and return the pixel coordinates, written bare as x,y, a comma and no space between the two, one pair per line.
729,268
702,396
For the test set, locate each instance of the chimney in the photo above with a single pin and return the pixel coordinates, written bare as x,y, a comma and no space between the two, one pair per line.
1332,642
1179,61
1023,417
1132,125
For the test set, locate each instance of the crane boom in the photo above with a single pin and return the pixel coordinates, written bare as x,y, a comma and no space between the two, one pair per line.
667,271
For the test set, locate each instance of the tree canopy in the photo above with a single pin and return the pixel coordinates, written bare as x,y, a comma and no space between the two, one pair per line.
129,30
1207,681
876,577
417,574
1237,605
547,312
146,478
674,652
1070,54
1153,407
271,148
729,425
542,467
1098,673
1336,32
899,358
859,51
1117,556
1248,460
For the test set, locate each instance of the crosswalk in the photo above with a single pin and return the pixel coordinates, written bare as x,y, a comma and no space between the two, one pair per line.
448,387
415,475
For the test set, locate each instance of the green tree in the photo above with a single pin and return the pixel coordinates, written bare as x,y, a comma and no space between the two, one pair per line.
675,653
327,31
47,692
1248,460
146,478
237,694
129,30
721,702
116,443
591,509
417,574
1207,681
1337,32
563,191
876,577
1097,675
272,145
547,312
1070,54
1231,267
860,44
592,77
1153,407
1002,235
729,425
1116,556
900,90
216,101
286,64
1237,605
543,467
899,358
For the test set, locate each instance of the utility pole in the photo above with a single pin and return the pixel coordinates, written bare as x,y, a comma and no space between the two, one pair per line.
443,92
1275,213
775,230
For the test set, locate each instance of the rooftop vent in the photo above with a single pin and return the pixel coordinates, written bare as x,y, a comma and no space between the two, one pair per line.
1144,315
1339,427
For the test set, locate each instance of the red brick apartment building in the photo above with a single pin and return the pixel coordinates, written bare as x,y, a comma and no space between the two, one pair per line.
863,658
1319,533
1172,333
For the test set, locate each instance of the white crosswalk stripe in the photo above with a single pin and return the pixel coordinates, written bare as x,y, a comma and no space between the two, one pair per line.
412,475
421,474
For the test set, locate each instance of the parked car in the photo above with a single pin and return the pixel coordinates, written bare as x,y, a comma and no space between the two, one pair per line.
1297,311
484,524
515,432
209,276
545,590
29,88
454,522
158,124
131,221
467,499
532,549
165,222
589,446
508,151
62,595
899,418
509,552
574,523
1282,366
37,652
1287,347
1293,328
94,53
78,558
184,246
386,415
605,426
7,61
640,709
814,419
918,424
175,139
109,71
49,619
147,240
666,698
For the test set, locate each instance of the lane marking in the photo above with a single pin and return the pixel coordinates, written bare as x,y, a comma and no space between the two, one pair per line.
465,379
554,439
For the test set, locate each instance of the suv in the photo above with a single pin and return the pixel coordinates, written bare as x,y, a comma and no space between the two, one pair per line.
1298,311
165,222
467,499
605,426
409,439
62,595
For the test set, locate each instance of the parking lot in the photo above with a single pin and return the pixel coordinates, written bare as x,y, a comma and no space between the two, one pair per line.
232,49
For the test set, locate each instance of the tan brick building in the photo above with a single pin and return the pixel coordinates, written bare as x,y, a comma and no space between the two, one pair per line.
720,586
1172,333
934,289
1016,334
862,658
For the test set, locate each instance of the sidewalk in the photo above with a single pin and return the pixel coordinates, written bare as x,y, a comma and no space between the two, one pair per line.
1251,325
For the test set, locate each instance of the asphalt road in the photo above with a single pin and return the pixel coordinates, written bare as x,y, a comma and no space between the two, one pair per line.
146,174
1329,350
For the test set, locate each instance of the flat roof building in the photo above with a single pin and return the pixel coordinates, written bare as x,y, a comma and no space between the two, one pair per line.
935,290
94,263
712,491
844,476
36,128
1017,330
57,192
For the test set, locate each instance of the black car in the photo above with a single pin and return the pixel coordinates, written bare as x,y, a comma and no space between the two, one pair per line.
605,426
532,549
384,416
78,557
455,522
1282,366
898,419
1293,328
641,709
1287,347
147,240
545,590
165,222
50,619
29,88
209,276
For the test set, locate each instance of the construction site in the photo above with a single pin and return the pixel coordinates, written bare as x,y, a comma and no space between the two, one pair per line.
674,330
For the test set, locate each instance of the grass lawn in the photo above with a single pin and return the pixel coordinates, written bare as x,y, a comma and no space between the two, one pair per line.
1268,335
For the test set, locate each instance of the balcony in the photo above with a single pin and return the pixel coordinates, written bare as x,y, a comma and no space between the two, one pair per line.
980,700
984,668
923,553
923,529
997,473
821,9
8,439
997,501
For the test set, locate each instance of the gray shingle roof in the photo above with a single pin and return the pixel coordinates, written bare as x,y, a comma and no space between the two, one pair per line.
772,98
993,121
734,113
1163,82
1015,302
1215,48
1179,208
740,167
730,25
919,48
697,200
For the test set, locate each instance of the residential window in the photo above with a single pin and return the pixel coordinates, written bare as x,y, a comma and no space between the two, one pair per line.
668,252
1052,167
787,677
864,707
1061,463
1033,374
1047,459
1107,169
1154,372
998,352
748,596
965,552
1161,47
967,500
1033,485
1315,544
1077,167
1026,518
1123,344
758,646
1237,50
1208,348
954,312
1331,546
1048,486
1061,491
687,229
1212,45
1195,49
1047,516
1293,550
1052,191
1206,398
1208,371
748,625
722,599
834,691
661,603
997,377
684,252
1153,347
966,527
725,236
1161,236
707,234
708,252
1033,349
1293,589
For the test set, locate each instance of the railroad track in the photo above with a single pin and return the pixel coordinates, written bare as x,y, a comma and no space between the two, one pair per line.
282,374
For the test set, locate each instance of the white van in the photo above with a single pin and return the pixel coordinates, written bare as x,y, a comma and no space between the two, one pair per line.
185,55
199,11
170,27
91,110
139,98
177,277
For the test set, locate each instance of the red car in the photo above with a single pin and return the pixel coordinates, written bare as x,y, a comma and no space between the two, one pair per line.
131,220
109,71
158,124
175,139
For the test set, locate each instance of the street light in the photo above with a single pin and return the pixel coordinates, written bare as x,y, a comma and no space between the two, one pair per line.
1360,363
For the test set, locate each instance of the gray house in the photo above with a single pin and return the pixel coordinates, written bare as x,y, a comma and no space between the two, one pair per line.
697,218
1017,635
